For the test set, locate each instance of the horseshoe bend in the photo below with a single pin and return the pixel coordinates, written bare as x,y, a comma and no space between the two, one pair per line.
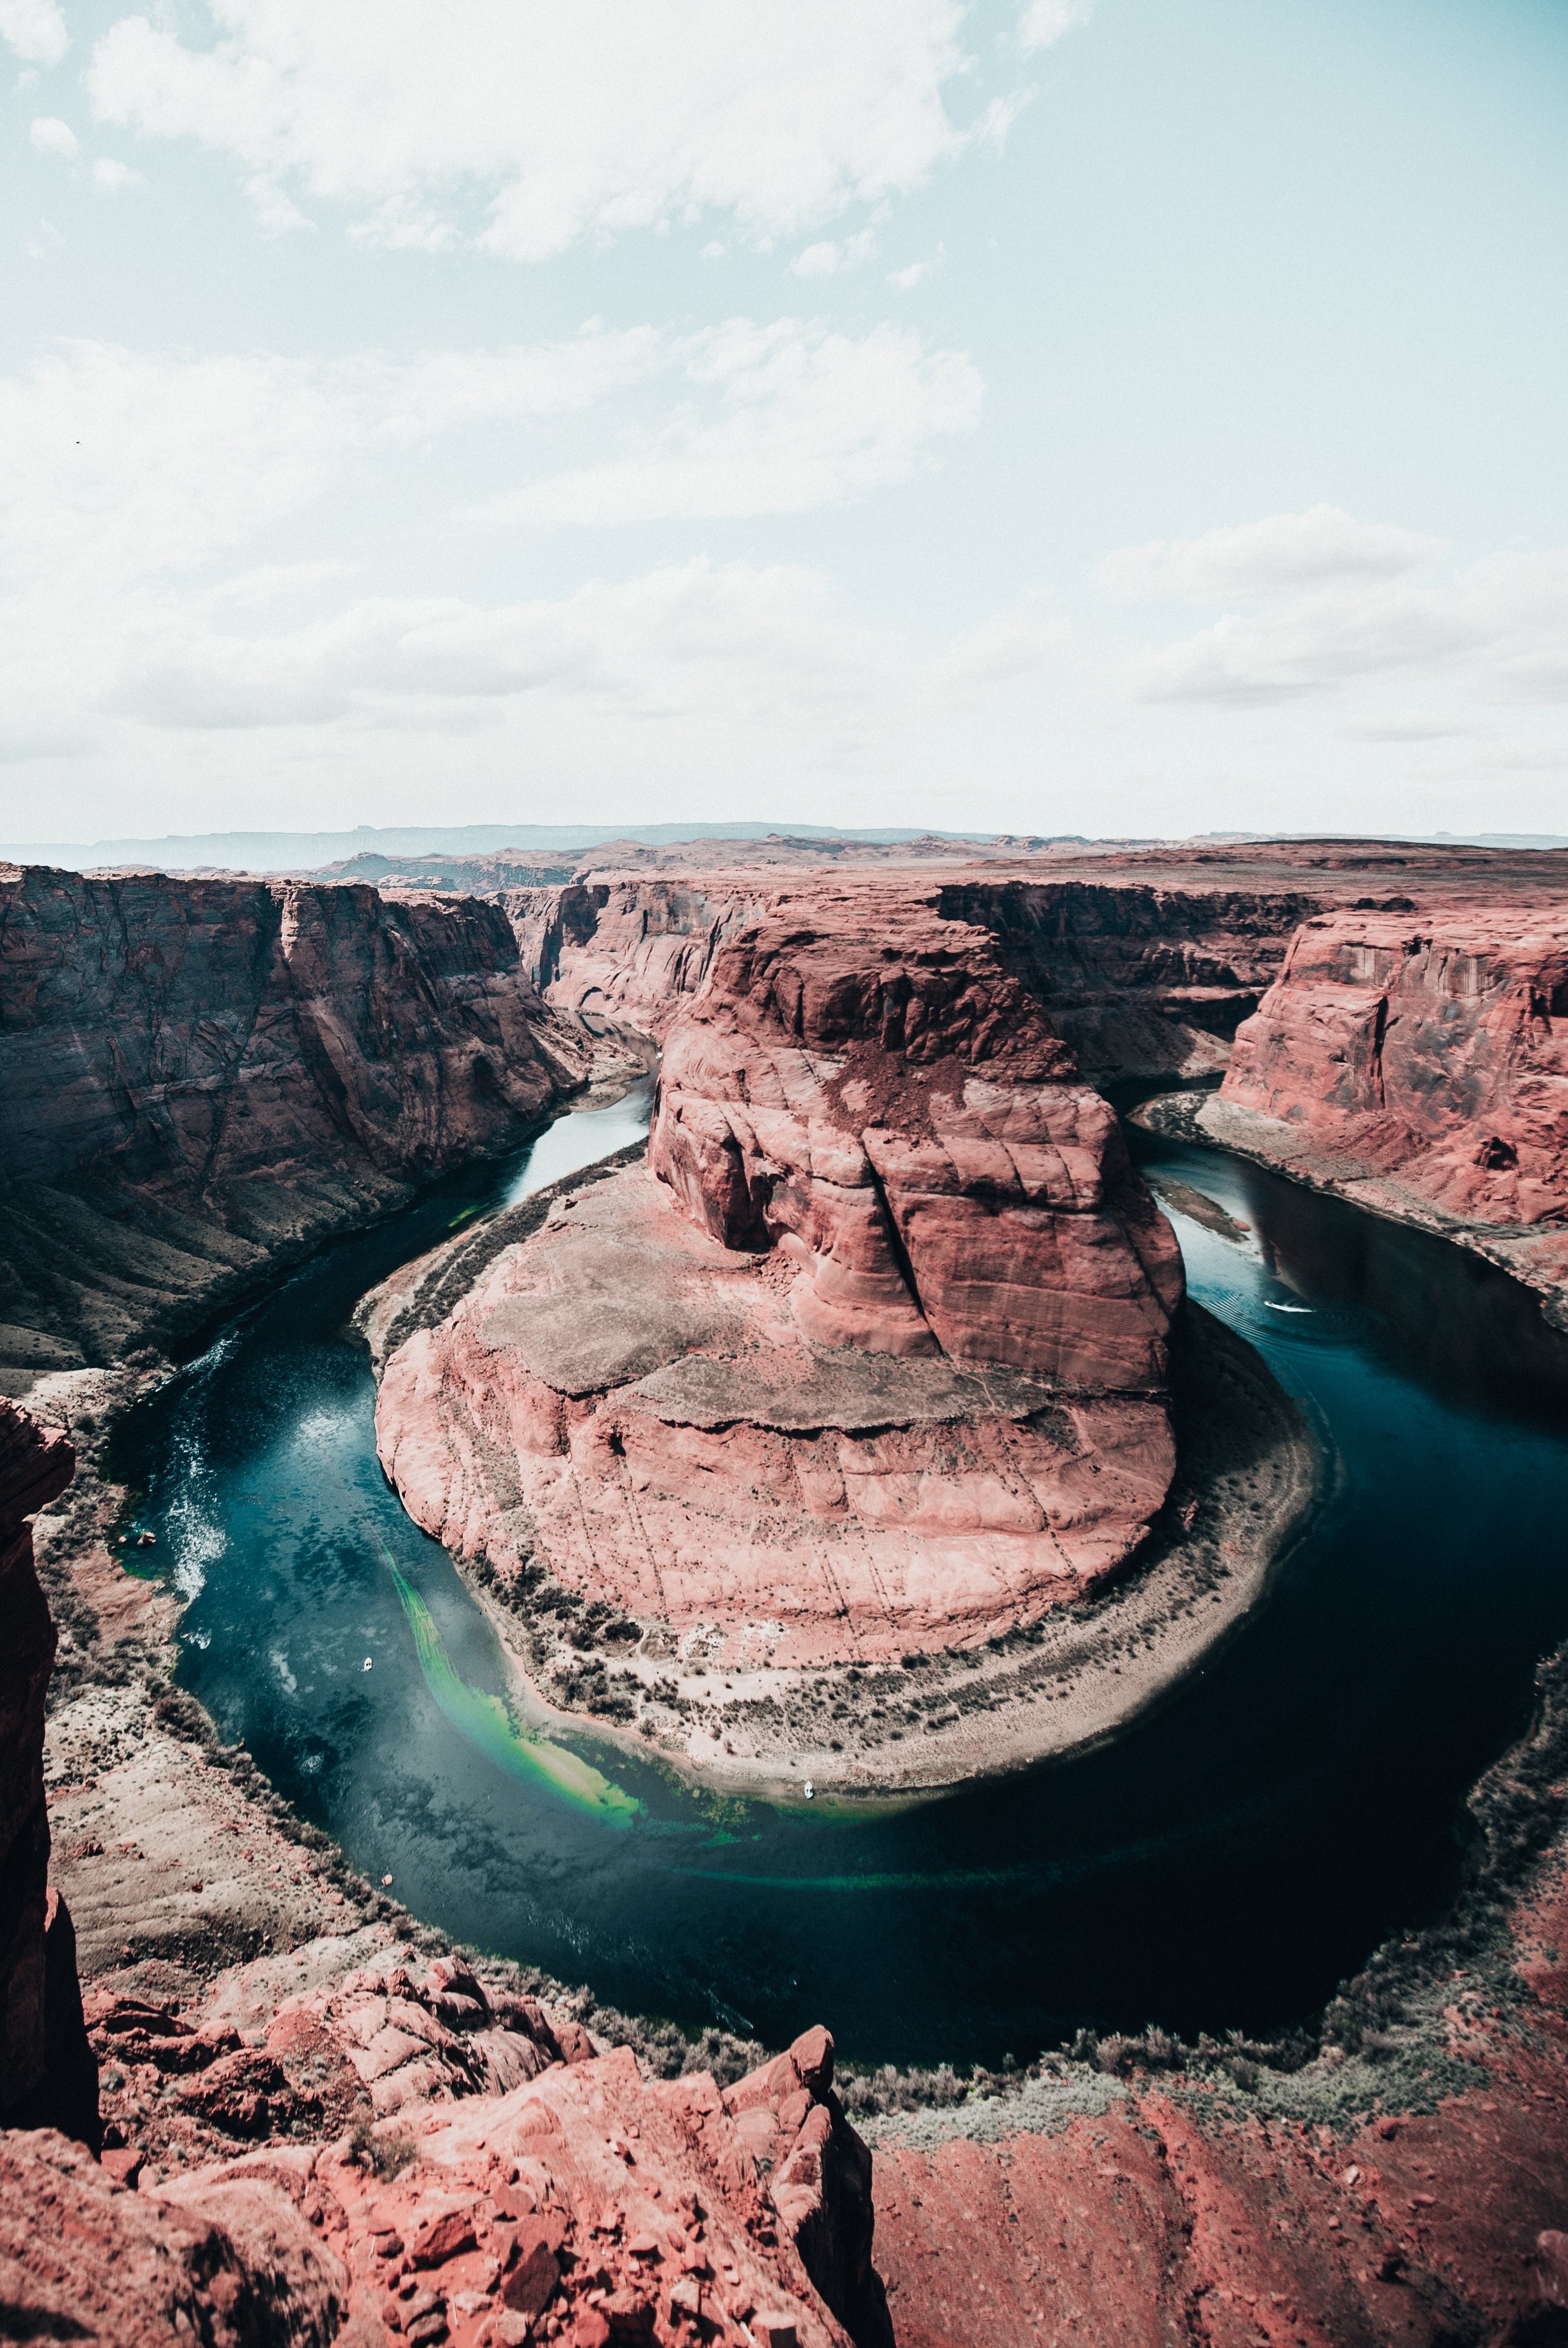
879,1421
868,1368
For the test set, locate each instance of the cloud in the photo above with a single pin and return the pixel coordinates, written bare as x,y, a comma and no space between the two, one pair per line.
152,512
1498,632
118,464
114,178
529,127
831,259
1279,556
52,137
786,417
905,278
742,643
1045,21
35,29
1008,649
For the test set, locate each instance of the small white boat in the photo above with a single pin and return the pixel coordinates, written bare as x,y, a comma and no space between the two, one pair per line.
367,1662
807,1789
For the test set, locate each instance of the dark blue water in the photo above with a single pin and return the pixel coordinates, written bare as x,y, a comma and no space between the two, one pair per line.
1221,1865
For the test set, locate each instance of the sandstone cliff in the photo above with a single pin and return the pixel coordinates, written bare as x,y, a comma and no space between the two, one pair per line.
1137,978
1418,1065
1433,1046
203,1076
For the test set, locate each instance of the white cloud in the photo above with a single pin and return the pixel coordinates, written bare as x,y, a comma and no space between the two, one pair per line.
141,500
829,260
787,416
114,176
274,211
1008,649
1277,556
1045,21
1498,632
50,136
116,464
35,29
560,124
739,641
905,278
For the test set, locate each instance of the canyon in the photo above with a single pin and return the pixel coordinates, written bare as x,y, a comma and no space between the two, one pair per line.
885,1255
204,1079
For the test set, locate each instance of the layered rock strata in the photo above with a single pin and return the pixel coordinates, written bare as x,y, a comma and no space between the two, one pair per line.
203,1076
1419,1066
1146,957
1136,978
46,2073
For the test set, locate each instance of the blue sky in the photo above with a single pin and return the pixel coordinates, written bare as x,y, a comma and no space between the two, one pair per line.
1139,418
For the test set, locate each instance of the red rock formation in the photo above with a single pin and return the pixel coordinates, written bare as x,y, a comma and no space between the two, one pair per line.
1146,956
233,2264
878,1361
202,1074
631,952
1177,2214
900,1121
47,2073
508,2193
1430,1046
1136,978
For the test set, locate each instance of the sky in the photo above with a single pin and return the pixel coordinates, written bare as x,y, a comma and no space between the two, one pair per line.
1107,417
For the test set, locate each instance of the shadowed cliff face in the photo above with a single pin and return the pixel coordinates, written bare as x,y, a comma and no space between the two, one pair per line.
48,2078
202,1075
1432,1047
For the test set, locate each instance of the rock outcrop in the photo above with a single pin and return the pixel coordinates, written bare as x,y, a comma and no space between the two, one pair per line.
1432,1047
878,1360
899,1119
1145,957
1136,978
202,1077
48,2078
1417,1066
416,2156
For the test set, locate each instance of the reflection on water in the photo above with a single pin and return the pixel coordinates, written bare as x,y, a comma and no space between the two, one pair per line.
1223,1864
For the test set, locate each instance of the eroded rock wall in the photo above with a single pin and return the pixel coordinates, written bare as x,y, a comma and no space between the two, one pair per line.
200,1075
631,952
1138,978
1432,1047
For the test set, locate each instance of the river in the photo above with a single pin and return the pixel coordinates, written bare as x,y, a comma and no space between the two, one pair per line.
1221,1865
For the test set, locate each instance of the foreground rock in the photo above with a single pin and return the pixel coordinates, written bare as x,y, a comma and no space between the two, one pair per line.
523,2184
204,1078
